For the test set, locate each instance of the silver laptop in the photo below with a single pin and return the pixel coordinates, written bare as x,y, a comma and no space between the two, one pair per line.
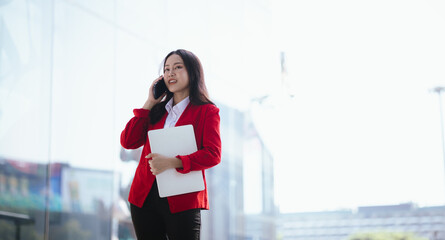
171,142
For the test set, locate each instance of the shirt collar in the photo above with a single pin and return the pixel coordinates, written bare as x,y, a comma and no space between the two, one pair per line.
180,107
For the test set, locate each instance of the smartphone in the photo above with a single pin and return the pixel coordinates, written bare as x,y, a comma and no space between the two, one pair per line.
159,88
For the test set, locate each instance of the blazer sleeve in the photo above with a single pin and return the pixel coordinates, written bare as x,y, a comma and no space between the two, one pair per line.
135,133
209,154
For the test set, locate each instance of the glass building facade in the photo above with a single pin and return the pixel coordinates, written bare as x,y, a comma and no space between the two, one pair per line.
71,73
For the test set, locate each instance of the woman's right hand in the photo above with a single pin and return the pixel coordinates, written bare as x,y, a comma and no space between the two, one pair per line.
151,101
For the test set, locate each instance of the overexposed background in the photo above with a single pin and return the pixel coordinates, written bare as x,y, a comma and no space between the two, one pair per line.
340,91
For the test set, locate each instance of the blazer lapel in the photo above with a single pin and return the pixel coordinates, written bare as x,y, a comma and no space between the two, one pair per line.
160,124
182,117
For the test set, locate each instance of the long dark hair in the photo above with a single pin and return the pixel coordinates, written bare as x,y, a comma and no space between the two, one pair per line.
197,89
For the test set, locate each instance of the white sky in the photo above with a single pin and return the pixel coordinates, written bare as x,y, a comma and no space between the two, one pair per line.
362,129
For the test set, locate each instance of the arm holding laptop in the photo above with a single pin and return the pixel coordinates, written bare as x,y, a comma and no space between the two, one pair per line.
160,163
208,156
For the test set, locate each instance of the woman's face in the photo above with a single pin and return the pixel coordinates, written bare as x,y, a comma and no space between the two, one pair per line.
175,76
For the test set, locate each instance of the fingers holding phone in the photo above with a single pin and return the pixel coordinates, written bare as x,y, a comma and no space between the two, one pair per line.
159,88
153,94
153,84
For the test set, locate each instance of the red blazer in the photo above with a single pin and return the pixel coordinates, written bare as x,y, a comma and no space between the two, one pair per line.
205,121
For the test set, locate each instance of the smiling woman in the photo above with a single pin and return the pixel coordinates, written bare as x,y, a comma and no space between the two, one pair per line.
180,67
176,78
186,102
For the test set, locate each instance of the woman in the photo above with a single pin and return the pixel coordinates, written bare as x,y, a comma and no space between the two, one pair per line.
185,102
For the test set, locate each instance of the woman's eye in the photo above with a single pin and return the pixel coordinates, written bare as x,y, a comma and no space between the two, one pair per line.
178,67
165,70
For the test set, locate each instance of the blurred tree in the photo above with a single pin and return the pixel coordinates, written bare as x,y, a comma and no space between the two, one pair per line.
71,230
385,236
7,231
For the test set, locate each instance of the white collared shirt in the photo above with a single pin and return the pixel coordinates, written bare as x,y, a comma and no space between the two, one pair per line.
174,112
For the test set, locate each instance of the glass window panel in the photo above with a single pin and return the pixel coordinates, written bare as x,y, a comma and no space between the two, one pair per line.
25,119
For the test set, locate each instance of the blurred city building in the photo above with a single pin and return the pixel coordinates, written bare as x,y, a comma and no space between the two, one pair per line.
23,187
78,201
428,222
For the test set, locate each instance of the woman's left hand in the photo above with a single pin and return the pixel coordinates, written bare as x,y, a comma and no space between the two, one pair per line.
159,163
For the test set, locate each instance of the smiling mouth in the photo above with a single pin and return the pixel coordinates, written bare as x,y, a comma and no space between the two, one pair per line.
172,81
